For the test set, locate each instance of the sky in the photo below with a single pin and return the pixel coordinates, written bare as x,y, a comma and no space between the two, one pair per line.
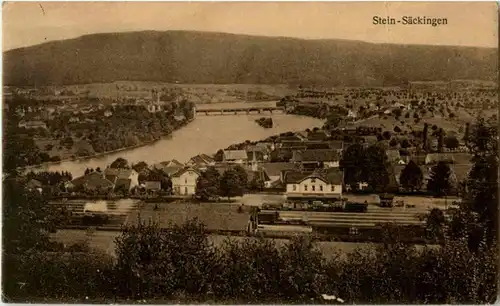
469,23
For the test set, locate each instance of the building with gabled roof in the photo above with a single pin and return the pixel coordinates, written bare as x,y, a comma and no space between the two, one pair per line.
319,185
235,156
313,159
201,160
184,180
122,178
94,181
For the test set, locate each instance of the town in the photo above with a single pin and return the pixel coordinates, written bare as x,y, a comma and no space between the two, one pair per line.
200,167
356,176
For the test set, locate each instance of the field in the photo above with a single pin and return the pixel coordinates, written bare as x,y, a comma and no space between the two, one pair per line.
198,93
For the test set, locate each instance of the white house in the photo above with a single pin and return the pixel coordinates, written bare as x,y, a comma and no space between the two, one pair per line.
184,181
326,184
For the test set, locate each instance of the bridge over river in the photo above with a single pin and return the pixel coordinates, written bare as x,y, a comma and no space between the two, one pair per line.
238,108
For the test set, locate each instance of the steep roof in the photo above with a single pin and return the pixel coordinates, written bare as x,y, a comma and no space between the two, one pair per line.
274,169
80,181
331,176
168,169
171,163
235,154
201,159
94,182
321,155
119,172
184,170
294,176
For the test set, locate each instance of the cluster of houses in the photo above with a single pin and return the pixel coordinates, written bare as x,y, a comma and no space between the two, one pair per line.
312,172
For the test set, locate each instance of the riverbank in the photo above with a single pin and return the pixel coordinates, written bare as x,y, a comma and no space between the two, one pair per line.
101,154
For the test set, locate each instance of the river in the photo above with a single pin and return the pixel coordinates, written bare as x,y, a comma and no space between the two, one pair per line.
205,134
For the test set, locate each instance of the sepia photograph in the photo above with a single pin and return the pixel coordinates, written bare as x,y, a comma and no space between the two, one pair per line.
250,152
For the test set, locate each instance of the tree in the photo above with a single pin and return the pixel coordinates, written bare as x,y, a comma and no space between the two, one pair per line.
140,166
439,182
387,135
397,112
219,156
256,184
242,176
412,177
208,184
27,220
148,260
405,143
332,121
435,222
160,176
120,163
440,140
375,168
230,184
352,163
425,135
451,142
482,184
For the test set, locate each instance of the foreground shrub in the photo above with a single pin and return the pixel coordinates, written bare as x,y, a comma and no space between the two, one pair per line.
156,263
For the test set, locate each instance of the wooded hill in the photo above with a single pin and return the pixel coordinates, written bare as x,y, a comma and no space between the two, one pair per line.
206,57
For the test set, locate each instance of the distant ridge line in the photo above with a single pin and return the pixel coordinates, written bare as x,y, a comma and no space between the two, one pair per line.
222,58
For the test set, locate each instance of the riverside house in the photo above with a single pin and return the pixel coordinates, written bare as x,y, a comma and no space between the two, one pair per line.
184,181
